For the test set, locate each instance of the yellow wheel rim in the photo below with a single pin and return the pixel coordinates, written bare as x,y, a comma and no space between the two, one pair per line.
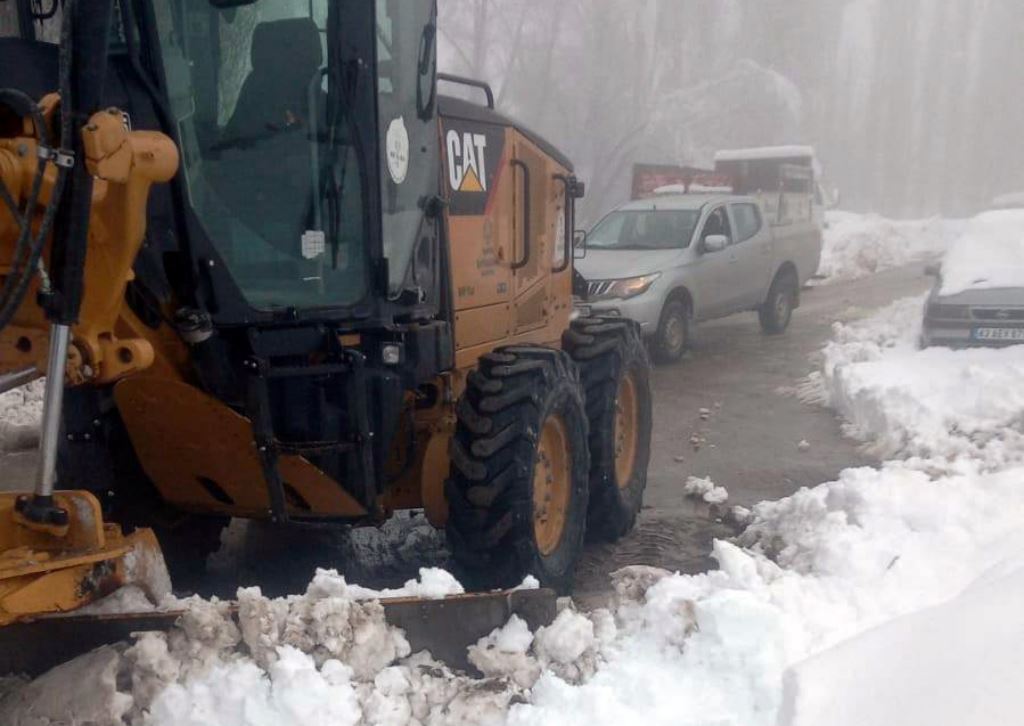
626,430
552,484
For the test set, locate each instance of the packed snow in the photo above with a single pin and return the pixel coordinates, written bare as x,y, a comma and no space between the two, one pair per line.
968,650
886,596
858,245
706,490
989,254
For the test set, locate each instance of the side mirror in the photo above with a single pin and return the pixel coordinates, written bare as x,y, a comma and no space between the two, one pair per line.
715,243
933,270
579,244
833,203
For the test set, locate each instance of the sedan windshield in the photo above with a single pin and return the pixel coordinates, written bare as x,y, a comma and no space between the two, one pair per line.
645,230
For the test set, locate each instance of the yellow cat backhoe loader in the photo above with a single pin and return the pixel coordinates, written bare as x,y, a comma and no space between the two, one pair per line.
270,273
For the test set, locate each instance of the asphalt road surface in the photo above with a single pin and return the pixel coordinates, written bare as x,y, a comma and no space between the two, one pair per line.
747,442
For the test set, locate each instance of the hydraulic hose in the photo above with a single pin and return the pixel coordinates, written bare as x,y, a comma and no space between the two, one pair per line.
16,285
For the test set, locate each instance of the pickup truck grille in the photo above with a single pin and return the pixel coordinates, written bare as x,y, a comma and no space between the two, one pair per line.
597,288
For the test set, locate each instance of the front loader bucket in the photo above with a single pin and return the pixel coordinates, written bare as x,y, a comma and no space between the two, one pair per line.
58,568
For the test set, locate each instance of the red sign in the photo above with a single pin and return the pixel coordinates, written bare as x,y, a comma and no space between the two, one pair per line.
648,178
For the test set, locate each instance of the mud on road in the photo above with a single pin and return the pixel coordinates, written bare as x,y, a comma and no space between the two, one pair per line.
726,411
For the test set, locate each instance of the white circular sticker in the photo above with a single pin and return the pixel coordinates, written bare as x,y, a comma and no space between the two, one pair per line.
397,146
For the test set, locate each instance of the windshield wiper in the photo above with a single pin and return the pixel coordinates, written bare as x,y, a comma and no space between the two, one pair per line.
337,174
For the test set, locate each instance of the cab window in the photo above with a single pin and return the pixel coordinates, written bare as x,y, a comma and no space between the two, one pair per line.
748,221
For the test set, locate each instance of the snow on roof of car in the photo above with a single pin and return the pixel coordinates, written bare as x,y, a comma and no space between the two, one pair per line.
764,152
989,254
676,201
1014,200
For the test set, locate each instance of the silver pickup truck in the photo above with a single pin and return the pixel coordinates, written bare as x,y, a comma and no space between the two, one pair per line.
677,259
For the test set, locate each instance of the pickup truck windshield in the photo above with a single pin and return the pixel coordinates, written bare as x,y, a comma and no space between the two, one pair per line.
647,229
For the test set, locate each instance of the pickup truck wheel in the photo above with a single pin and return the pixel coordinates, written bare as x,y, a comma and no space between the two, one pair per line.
777,310
673,336
616,379
519,486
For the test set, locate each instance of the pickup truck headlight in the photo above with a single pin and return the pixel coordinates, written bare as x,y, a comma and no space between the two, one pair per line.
624,289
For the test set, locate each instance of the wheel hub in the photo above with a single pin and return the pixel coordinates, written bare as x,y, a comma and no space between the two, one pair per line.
674,335
552,485
782,307
626,430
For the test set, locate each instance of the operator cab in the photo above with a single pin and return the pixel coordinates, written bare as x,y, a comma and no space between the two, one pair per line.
306,170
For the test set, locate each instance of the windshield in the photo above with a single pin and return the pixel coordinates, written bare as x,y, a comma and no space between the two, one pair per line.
645,230
266,150
270,137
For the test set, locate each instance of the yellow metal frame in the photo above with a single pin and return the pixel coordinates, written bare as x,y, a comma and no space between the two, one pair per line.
45,569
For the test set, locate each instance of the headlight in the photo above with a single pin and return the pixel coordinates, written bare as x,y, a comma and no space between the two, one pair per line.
623,289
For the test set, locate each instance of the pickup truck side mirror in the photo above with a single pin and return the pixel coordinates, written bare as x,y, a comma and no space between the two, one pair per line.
715,243
579,244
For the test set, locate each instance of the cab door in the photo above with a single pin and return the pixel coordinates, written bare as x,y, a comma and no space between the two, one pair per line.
715,272
754,254
537,197
481,210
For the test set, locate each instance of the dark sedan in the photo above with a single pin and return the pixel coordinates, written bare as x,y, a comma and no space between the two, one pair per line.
984,317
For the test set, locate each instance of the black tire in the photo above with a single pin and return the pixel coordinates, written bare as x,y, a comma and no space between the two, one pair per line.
777,310
501,417
607,350
673,335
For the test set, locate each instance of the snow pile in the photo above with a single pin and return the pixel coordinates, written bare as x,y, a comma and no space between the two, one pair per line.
858,245
989,254
327,656
21,410
943,645
936,404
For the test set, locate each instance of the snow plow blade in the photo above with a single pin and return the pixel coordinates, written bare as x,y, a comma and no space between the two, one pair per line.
59,567
445,627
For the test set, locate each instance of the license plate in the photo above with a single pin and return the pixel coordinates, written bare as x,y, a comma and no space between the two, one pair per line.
999,333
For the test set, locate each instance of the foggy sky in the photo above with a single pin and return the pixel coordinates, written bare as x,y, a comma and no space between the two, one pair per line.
915,106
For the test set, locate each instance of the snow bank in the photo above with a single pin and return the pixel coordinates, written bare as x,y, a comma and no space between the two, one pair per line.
858,245
967,650
989,254
954,406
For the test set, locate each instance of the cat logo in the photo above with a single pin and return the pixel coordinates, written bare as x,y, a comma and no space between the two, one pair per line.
467,161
